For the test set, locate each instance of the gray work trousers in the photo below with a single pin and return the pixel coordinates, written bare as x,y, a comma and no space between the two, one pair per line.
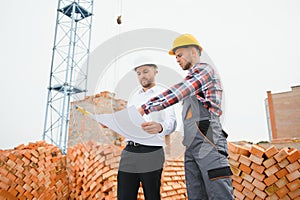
207,170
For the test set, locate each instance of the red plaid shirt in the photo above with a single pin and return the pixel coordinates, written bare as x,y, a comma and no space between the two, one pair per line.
201,78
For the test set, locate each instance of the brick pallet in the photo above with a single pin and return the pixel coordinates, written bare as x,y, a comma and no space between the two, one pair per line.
92,170
35,171
261,173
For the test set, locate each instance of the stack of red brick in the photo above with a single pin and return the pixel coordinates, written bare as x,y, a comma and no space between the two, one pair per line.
172,181
35,171
89,171
92,170
261,173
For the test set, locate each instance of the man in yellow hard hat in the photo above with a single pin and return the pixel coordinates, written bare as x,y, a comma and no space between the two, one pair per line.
207,169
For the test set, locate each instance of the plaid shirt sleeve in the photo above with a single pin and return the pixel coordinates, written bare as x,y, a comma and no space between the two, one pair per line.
201,78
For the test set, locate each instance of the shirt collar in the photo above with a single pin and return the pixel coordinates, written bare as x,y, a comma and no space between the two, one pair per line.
196,65
151,90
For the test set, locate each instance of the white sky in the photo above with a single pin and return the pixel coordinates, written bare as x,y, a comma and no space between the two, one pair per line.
253,43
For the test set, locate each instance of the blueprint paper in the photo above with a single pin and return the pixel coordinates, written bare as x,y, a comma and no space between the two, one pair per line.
127,123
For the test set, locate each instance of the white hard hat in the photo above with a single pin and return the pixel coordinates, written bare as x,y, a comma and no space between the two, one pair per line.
142,61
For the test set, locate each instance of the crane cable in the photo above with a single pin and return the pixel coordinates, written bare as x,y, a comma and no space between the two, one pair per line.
119,23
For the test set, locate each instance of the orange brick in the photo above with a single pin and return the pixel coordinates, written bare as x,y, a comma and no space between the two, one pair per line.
4,186
259,193
245,168
3,171
238,179
19,181
27,155
272,170
245,160
34,153
20,189
271,151
13,191
256,159
5,195
272,197
281,182
294,155
269,162
294,185
281,173
11,164
248,193
235,171
237,186
259,184
283,163
19,162
257,150
293,166
238,194
257,175
282,192
26,161
294,194
234,162
233,156
293,176
282,154
246,177
28,195
238,149
259,168
3,157
271,189
12,157
247,185
270,180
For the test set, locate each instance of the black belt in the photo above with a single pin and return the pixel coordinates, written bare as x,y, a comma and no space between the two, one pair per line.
132,143
140,148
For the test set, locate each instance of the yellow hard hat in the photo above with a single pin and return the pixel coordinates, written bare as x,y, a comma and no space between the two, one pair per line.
184,40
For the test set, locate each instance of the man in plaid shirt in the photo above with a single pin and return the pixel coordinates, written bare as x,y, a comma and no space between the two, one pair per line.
207,169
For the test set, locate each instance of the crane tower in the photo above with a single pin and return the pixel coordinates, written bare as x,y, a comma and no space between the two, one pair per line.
69,67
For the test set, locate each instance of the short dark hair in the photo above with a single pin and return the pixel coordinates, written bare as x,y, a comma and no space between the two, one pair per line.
150,65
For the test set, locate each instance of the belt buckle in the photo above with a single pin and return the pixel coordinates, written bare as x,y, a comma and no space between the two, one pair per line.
131,143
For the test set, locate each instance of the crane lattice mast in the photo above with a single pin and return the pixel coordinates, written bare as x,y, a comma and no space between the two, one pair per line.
69,67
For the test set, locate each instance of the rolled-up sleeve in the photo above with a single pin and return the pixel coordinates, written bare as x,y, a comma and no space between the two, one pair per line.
201,78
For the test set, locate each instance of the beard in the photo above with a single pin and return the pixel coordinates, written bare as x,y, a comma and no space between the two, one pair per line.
145,83
187,66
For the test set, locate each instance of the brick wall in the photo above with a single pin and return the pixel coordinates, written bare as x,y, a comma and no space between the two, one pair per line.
82,128
284,113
